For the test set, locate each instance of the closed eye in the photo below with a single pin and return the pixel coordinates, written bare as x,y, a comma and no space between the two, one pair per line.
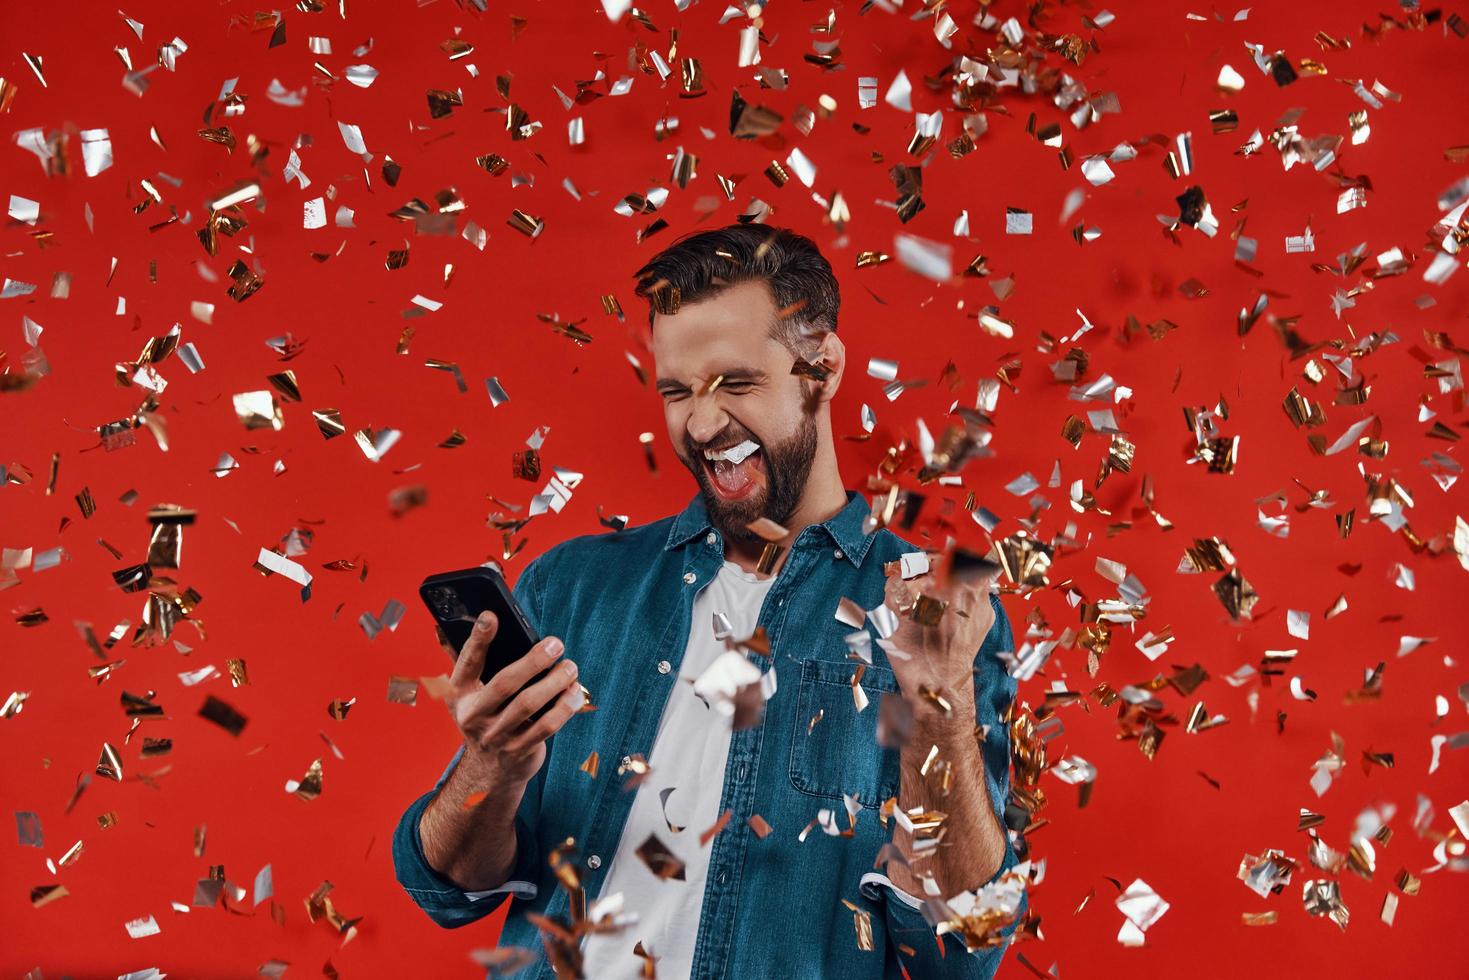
738,387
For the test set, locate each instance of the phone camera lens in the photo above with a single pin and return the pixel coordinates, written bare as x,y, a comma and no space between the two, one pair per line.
442,598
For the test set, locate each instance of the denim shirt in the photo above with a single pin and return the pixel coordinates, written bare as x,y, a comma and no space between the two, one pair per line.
773,906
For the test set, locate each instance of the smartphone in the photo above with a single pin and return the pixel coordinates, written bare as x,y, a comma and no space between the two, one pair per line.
455,599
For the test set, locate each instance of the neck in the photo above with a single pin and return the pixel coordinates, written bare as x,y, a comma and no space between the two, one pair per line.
822,499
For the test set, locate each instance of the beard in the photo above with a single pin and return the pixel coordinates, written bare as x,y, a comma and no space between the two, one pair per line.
787,466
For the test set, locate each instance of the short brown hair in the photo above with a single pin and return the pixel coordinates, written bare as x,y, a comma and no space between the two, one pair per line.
702,264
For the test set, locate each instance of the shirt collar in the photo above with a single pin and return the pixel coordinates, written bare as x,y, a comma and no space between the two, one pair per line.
844,528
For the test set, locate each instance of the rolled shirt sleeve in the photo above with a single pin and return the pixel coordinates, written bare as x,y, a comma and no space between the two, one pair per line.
446,903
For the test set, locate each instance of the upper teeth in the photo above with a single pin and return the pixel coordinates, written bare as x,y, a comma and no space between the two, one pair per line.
734,454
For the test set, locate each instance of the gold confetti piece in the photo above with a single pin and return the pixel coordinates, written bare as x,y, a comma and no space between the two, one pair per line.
245,282
165,550
859,695
659,859
493,163
109,764
452,368
236,668
338,708
1236,594
375,443
156,746
1323,897
589,766
223,715
285,384
1383,759
329,422
637,765
309,787
442,103
759,826
258,410
319,908
750,122
928,610
519,124
14,704
457,48
768,557
135,705
767,529
526,224
862,923
43,895
525,464
715,828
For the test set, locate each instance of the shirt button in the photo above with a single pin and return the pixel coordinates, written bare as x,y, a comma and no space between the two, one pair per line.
721,876
837,553
594,862
689,578
664,666
626,761
709,538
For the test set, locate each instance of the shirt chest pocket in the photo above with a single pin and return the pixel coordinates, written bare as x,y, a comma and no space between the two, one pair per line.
839,753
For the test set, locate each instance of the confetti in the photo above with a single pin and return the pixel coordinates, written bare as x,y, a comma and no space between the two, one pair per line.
1251,379
1142,908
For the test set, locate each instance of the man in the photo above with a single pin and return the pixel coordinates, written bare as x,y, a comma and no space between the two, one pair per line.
720,809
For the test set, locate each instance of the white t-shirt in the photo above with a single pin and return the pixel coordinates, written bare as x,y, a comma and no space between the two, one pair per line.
689,754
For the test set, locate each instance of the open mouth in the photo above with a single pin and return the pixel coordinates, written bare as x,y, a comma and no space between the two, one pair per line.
735,480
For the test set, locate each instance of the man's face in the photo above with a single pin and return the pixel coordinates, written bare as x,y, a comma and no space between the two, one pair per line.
758,401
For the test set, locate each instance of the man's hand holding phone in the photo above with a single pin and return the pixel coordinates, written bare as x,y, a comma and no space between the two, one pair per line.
507,746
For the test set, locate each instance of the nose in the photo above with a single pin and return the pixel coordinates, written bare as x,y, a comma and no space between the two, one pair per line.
706,421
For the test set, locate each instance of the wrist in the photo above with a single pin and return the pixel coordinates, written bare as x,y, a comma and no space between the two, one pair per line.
484,773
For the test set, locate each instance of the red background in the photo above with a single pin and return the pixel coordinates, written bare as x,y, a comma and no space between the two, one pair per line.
1158,820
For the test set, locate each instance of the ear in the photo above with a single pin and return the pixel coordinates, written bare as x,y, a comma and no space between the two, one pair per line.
833,353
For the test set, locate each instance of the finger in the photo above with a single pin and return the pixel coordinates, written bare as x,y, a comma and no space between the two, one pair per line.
471,660
519,672
533,698
551,722
493,697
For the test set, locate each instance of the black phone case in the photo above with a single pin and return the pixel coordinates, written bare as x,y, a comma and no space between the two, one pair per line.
455,600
